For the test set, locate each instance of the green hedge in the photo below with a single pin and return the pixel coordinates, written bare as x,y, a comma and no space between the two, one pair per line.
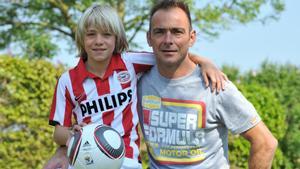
272,114
274,90
26,89
284,81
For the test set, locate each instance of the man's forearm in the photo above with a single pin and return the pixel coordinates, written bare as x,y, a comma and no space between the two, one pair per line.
262,158
261,154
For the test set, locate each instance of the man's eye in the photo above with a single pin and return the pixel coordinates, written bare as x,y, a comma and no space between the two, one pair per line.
178,32
158,31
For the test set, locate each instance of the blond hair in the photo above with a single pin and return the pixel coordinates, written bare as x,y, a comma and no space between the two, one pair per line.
105,19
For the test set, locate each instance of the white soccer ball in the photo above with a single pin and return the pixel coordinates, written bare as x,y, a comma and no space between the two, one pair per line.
96,147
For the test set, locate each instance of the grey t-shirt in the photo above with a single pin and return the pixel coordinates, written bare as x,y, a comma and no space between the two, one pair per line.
185,125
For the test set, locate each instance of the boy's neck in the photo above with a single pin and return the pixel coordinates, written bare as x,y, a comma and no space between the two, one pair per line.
97,68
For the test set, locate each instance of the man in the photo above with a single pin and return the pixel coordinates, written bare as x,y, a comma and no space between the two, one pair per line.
184,124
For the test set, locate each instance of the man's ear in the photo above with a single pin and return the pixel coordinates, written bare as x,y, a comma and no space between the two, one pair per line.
193,37
149,39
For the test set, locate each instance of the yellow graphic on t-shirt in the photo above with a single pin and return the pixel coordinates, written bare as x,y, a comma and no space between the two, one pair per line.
151,102
198,107
177,156
174,129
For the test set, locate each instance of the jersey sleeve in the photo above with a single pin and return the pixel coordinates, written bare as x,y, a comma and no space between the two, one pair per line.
235,111
142,61
62,106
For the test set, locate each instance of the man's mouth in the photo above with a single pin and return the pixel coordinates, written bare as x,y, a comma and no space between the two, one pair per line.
169,51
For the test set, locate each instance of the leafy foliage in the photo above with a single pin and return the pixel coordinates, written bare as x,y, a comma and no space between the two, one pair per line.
274,90
284,81
232,73
37,25
26,89
272,114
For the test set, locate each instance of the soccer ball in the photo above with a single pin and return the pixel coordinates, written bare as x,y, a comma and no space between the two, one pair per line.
96,147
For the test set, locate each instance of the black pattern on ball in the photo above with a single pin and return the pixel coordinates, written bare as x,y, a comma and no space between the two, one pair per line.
103,144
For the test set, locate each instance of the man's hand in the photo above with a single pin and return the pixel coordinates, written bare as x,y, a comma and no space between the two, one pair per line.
58,160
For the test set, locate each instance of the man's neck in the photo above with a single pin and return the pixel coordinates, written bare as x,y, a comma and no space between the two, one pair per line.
176,71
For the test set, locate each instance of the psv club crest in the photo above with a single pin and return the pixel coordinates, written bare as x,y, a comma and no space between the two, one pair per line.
123,77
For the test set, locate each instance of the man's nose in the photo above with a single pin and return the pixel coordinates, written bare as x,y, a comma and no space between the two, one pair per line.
168,38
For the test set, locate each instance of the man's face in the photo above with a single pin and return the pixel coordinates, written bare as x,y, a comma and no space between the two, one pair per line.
170,36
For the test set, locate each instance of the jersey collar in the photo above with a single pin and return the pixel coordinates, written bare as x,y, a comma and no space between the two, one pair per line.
116,63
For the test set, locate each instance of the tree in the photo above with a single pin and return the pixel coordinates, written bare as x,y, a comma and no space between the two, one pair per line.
35,26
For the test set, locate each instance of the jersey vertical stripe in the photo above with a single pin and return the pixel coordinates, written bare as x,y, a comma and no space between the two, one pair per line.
53,106
90,89
68,110
62,103
128,126
78,91
102,89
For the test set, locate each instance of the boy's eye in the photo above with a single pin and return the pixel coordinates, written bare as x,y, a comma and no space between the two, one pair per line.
107,34
90,34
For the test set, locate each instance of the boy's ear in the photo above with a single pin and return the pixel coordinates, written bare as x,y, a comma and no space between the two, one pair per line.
149,39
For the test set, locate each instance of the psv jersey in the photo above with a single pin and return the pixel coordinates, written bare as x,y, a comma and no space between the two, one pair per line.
111,100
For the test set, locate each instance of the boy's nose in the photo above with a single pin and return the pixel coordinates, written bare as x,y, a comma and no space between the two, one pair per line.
99,39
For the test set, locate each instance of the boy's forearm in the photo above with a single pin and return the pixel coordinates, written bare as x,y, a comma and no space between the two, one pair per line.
61,135
198,59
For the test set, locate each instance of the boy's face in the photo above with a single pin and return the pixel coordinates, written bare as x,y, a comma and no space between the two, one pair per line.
99,46
170,36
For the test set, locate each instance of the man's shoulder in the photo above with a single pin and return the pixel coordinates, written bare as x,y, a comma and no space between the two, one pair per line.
229,87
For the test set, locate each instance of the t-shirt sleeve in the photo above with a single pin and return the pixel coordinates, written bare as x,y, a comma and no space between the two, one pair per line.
235,111
62,106
142,61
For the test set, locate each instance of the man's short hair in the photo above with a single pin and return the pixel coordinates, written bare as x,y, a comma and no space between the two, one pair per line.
167,4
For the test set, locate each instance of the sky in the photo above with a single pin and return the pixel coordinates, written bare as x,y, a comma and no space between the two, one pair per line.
248,46
245,46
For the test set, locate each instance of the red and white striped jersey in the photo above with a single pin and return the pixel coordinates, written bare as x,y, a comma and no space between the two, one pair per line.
111,100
